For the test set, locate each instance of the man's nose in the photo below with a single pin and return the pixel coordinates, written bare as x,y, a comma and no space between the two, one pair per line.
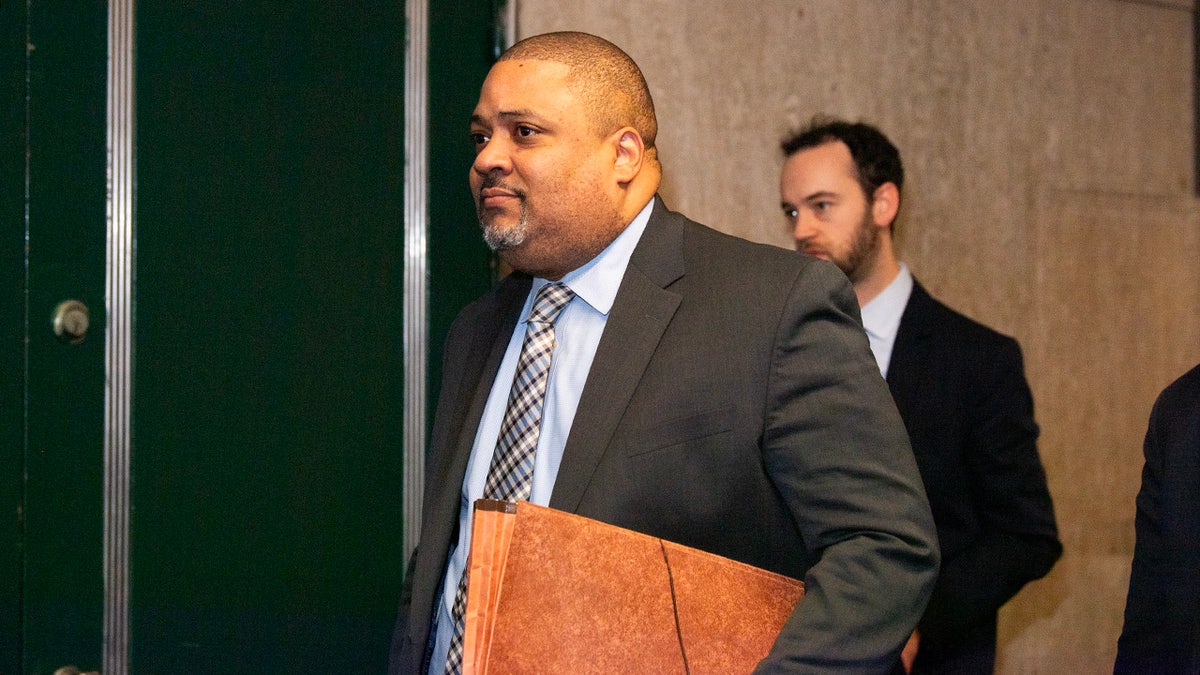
803,229
491,157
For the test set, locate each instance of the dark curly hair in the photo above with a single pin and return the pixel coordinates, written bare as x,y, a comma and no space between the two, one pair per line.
877,160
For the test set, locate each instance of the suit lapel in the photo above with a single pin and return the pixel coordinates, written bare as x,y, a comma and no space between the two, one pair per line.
492,330
641,313
487,351
912,339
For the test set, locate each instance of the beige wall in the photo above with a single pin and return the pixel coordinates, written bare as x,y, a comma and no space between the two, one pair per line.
1048,146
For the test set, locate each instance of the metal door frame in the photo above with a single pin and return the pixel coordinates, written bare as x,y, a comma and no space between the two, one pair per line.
120,273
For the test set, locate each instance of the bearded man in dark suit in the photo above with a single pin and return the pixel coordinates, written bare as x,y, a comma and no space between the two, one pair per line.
703,389
959,385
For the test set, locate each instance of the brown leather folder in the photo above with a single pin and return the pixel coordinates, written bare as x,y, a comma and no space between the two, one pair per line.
553,592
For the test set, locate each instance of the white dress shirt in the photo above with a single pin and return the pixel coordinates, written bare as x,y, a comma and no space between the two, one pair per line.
881,317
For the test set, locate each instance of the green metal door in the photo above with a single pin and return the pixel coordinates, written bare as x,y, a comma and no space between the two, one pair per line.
266,353
52,214
266,482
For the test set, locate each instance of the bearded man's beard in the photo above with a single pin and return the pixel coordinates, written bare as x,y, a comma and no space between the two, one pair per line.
863,248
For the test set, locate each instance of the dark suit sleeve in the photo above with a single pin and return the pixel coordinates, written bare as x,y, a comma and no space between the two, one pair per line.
1161,633
1018,539
835,447
397,655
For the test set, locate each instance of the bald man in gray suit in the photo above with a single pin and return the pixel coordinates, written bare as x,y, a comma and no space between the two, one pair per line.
704,389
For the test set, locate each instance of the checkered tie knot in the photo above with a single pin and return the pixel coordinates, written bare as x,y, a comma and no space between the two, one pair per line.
510,476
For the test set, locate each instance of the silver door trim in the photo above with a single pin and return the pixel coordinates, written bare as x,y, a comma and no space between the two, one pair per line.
118,333
416,271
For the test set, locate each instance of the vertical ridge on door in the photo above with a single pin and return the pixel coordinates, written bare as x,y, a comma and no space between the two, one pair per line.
118,291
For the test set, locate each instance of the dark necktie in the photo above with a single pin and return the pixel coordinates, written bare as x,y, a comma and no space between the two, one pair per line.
510,475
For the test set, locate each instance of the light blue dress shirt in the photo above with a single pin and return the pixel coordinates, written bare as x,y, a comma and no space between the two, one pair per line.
881,317
576,333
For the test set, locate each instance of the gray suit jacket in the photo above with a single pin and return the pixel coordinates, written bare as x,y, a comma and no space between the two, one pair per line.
733,405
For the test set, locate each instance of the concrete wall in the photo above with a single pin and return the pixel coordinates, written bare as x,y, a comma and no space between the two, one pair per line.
1049,152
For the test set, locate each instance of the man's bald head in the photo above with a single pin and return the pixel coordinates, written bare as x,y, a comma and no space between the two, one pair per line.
606,80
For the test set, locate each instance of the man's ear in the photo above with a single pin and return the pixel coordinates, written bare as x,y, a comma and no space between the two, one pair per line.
630,152
885,203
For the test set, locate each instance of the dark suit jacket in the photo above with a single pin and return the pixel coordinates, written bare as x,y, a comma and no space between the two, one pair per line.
732,405
1162,622
960,387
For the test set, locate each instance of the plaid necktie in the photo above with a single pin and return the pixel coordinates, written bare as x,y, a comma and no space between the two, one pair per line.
510,476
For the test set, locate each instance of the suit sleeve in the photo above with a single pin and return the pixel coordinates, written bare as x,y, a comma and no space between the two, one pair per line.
397,655
1145,645
1161,633
1018,539
836,449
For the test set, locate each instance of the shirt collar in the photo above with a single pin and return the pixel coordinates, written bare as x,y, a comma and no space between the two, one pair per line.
881,316
597,282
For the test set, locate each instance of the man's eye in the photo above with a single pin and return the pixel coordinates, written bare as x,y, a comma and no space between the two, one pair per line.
525,131
790,213
478,139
